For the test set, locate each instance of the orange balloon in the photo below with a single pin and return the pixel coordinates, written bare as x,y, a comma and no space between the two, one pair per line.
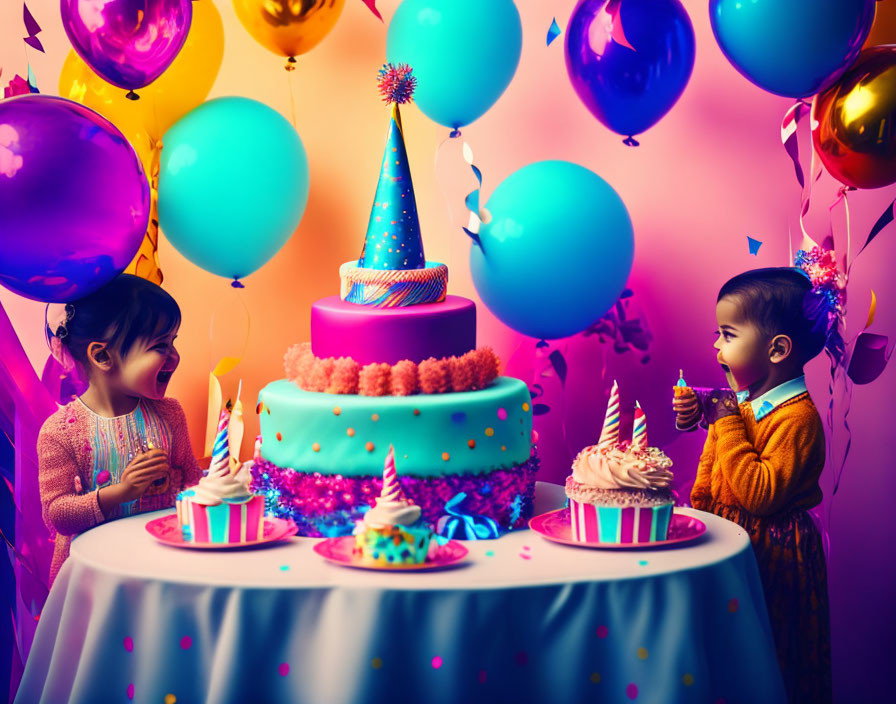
288,27
883,31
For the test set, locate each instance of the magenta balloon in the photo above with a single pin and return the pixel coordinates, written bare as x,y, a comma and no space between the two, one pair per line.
74,201
129,43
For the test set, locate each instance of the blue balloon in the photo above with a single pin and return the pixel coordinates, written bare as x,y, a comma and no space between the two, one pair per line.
794,48
463,52
233,185
556,251
629,61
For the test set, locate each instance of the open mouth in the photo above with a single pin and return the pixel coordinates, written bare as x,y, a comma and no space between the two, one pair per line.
164,377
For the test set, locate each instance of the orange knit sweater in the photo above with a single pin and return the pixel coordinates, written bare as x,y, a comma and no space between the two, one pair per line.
764,467
65,451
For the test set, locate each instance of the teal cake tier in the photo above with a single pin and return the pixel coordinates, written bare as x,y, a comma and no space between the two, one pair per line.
433,434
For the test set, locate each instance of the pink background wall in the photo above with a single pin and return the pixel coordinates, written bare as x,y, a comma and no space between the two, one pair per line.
709,174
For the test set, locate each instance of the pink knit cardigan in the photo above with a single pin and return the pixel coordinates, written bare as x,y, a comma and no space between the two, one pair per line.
64,452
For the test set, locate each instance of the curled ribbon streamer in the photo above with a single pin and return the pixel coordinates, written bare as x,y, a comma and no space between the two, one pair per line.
465,526
472,199
789,137
33,29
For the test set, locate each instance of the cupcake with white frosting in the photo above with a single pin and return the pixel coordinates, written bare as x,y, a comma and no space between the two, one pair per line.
619,492
392,532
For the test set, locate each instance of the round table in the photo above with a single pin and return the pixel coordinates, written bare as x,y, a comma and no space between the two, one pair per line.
524,620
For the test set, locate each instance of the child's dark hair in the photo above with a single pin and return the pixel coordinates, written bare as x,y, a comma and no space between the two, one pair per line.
125,310
774,299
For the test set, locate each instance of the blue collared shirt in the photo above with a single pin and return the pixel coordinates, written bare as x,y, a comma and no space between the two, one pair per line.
771,399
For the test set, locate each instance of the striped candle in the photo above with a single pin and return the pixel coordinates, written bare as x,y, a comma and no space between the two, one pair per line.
639,429
221,447
391,488
609,434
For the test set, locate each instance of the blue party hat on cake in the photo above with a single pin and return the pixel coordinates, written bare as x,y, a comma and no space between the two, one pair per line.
393,239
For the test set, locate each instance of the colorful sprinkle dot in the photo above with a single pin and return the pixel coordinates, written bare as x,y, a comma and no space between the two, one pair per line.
482,676
601,632
375,417
632,691
279,437
283,669
369,446
525,408
489,553
130,690
170,699
642,653
186,642
502,414
471,443
688,679
350,432
284,568
337,410
316,447
489,432
129,644
376,663
446,456
733,605
595,677
436,662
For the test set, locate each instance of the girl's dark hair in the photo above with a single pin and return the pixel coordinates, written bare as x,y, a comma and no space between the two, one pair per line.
125,310
774,299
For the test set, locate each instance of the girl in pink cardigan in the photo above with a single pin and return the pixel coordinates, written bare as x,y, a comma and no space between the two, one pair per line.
121,447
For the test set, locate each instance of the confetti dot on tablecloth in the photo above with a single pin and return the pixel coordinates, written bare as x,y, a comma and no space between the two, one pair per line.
350,432
284,568
267,410
525,556
375,417
688,679
336,410
436,662
733,605
316,447
279,437
129,644
526,547
502,414
259,408
130,691
521,658
601,632
283,669
489,553
489,432
595,677
471,443
446,456
170,699
632,691
369,446
376,663
525,408
642,653
186,642
482,677
642,562
416,411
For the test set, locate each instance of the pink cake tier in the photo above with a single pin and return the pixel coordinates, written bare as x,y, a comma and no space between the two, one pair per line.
368,334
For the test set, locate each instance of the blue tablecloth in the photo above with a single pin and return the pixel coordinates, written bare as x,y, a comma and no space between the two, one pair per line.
525,621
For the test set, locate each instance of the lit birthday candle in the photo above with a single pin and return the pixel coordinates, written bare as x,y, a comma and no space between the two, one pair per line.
639,429
609,434
681,381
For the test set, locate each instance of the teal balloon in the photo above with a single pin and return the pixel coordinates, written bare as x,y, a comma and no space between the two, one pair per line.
463,52
233,185
556,251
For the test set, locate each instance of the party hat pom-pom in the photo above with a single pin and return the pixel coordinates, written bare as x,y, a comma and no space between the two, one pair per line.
396,83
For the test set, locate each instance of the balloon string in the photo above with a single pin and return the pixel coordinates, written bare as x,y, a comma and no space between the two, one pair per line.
292,97
443,187
236,293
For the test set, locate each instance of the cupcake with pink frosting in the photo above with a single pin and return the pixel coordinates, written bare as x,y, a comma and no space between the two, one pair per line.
392,532
619,492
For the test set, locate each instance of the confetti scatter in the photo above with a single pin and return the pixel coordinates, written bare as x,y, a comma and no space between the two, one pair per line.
170,699
601,632
688,679
642,653
733,605
553,31
436,662
130,691
376,663
186,642
632,691
129,644
283,669
284,568
642,562
753,245
489,553
525,556
502,414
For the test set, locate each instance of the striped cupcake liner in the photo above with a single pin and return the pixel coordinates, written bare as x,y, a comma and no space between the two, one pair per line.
617,524
241,522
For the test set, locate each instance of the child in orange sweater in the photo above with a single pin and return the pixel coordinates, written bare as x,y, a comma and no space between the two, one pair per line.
121,447
763,457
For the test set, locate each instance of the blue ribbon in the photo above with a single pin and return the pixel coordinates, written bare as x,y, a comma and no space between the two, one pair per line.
465,526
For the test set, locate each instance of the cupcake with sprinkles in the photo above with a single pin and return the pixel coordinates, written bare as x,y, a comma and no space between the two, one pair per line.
393,531
619,492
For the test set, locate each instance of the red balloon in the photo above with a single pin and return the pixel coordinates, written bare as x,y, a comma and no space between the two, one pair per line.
854,121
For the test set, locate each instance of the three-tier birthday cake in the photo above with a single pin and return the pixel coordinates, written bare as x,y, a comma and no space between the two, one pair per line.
393,361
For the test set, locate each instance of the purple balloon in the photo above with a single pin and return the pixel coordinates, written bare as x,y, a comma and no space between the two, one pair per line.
74,201
129,43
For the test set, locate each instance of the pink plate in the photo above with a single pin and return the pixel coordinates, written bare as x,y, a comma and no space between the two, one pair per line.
555,527
339,550
167,531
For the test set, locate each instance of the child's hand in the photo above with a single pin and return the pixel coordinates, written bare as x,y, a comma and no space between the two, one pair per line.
687,410
143,470
720,403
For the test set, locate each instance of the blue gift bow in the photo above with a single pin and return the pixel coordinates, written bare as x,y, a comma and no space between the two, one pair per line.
465,526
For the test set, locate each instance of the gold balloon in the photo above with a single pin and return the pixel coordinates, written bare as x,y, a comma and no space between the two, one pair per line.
288,27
